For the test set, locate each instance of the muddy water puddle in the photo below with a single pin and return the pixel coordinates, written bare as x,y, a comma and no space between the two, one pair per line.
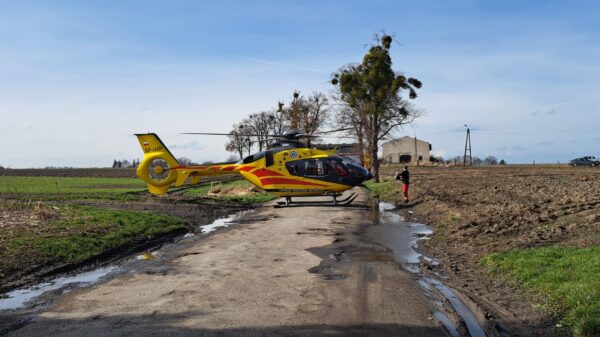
233,219
17,299
399,232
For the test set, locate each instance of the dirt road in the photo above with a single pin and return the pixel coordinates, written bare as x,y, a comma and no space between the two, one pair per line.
282,272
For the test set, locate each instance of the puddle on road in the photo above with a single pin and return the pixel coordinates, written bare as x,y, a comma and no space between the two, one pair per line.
224,222
17,299
397,232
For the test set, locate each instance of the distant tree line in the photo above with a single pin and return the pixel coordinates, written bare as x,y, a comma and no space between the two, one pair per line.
186,161
134,163
124,163
459,160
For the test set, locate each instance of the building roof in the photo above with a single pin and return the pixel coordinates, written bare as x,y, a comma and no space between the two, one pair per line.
404,138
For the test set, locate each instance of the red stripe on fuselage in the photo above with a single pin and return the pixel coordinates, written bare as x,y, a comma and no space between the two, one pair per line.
269,181
228,168
265,173
246,168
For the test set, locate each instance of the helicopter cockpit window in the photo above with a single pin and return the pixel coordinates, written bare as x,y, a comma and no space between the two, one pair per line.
269,160
334,167
292,167
313,167
254,157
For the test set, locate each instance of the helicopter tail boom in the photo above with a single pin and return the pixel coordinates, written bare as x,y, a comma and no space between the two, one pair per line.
159,168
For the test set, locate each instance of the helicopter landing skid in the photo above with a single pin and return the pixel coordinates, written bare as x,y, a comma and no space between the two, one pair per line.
336,202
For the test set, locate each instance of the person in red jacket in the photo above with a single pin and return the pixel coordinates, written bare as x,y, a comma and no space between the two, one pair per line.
404,176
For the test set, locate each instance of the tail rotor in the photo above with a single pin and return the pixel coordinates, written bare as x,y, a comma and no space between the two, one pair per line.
157,167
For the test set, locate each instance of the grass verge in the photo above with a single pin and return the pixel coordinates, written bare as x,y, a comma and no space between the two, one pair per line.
384,190
43,235
566,279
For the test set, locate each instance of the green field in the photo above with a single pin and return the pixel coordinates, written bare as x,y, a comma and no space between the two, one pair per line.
52,188
566,279
68,185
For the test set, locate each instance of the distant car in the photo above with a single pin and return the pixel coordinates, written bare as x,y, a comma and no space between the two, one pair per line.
585,161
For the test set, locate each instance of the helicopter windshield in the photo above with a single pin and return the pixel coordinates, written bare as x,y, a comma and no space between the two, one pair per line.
356,169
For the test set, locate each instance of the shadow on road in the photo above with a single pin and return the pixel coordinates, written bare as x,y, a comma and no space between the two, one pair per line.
184,325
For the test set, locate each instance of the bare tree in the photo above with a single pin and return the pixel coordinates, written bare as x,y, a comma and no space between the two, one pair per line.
352,118
239,140
279,122
186,161
314,115
307,114
260,126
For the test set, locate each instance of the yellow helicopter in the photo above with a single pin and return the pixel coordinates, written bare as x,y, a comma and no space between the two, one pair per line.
288,168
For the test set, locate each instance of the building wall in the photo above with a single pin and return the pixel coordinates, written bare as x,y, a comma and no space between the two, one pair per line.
405,146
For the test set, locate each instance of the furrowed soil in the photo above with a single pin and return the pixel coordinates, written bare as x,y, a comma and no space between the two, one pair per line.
481,210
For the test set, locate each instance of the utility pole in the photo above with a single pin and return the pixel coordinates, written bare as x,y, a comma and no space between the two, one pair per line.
468,148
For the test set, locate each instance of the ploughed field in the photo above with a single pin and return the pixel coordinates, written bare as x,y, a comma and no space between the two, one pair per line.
524,241
58,220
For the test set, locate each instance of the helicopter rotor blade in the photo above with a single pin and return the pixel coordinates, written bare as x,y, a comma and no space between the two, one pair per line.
227,134
339,137
206,133
262,140
302,135
291,135
332,131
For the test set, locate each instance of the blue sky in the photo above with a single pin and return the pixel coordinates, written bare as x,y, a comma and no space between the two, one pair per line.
78,78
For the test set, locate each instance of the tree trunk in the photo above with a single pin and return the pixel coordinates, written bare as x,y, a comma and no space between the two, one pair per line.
361,148
374,159
373,142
